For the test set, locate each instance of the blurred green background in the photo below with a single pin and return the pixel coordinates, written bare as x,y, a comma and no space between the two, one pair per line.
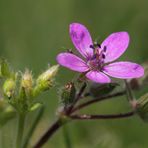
32,32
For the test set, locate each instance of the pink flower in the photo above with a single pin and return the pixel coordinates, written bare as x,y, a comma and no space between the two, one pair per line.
97,60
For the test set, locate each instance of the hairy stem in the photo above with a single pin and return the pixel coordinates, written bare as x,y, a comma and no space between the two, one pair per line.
21,123
97,100
93,117
58,124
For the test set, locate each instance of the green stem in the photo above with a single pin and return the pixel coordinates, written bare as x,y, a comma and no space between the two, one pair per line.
130,95
89,102
33,127
66,137
21,123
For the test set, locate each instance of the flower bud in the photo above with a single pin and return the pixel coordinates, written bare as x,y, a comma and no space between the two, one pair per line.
4,69
26,84
9,87
45,80
68,94
142,107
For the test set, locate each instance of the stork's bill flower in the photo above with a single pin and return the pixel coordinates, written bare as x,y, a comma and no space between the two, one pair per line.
96,61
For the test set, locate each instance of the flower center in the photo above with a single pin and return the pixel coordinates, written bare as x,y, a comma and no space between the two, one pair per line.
97,61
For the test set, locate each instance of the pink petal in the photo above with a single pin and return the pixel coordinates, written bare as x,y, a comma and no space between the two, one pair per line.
116,44
72,62
98,77
81,39
124,70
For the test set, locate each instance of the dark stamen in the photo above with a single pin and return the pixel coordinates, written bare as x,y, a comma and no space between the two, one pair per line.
92,46
94,56
98,45
103,56
105,48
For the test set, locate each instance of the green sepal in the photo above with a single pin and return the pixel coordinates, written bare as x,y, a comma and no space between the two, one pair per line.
45,80
142,107
68,94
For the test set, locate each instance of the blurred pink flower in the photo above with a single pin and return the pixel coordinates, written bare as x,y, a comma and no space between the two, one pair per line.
97,64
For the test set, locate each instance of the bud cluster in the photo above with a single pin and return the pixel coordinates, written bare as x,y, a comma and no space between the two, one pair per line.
20,89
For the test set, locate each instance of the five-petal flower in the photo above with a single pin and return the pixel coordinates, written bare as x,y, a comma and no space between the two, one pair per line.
97,64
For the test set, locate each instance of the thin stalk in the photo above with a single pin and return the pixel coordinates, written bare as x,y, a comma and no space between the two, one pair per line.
80,93
93,117
66,137
55,126
97,100
82,89
21,123
33,127
130,95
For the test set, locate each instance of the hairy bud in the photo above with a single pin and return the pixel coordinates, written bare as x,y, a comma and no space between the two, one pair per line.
27,84
68,94
9,87
45,80
4,69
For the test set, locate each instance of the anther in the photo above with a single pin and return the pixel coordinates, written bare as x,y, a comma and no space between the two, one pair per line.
94,56
92,46
103,56
105,48
98,45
